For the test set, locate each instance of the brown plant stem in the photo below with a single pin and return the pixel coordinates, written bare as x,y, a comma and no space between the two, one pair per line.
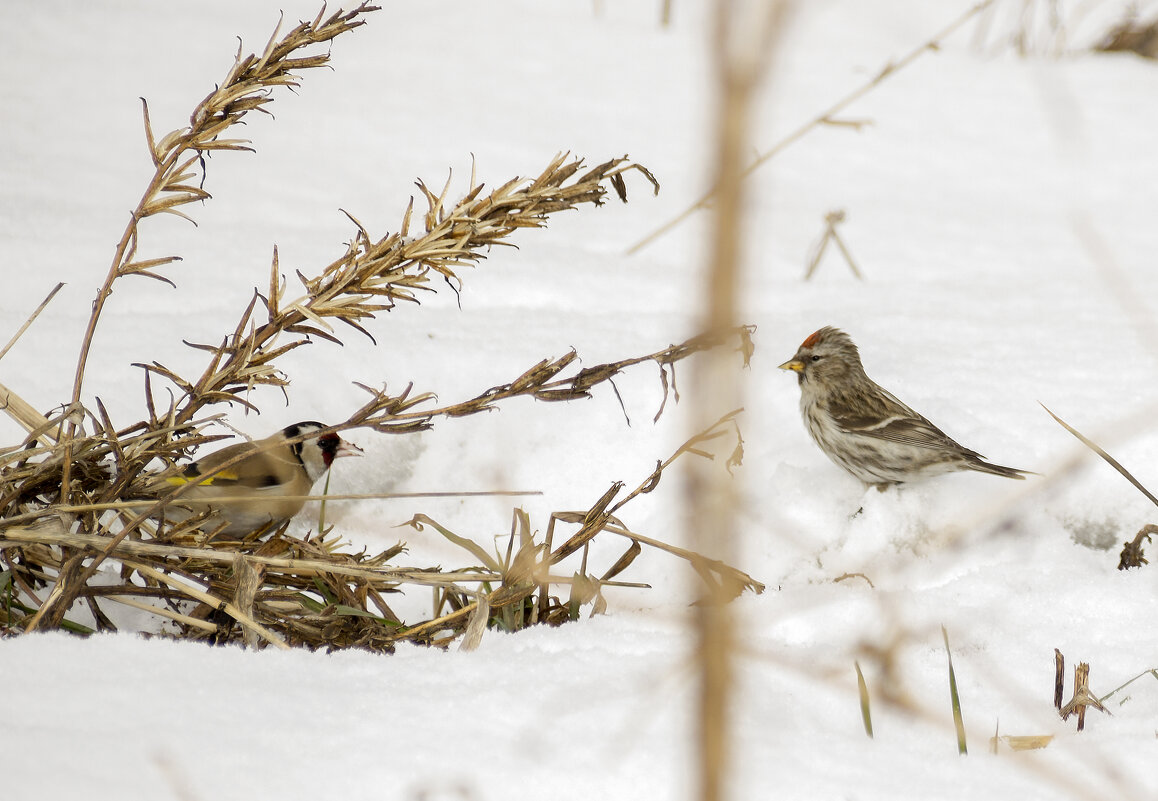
825,117
241,92
743,46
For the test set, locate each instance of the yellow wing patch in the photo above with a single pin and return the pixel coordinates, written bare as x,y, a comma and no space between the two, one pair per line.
224,477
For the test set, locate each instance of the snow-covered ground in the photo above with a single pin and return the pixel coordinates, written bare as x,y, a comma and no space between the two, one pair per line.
1002,209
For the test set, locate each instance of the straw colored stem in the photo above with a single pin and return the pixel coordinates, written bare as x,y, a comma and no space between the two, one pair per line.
824,117
210,600
160,611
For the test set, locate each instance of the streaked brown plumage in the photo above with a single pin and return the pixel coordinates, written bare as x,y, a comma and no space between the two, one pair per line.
863,427
268,475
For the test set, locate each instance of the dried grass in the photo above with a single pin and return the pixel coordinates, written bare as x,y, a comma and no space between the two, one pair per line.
289,591
1132,554
744,41
1132,35
80,489
830,116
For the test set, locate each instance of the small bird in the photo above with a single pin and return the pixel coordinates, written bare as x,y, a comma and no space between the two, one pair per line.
864,428
268,478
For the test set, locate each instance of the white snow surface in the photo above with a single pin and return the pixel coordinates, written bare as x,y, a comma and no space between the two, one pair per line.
1001,207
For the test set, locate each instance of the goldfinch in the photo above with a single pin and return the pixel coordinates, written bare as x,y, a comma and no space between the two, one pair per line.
268,478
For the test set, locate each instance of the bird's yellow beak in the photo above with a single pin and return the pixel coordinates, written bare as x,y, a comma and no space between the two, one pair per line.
795,365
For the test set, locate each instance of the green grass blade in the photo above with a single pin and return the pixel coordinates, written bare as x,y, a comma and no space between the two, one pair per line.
958,721
865,711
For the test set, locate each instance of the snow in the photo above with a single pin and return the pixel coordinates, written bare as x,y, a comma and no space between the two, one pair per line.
1001,208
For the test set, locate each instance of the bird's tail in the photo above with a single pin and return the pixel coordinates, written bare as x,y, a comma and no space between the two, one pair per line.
982,466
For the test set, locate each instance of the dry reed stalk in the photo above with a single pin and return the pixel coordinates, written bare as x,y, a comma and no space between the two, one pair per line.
16,407
1132,35
1132,553
1020,742
69,493
826,117
831,220
353,612
744,44
370,277
31,319
527,571
246,88
1150,672
1083,698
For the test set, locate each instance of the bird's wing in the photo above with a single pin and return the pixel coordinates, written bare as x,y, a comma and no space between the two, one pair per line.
885,417
260,469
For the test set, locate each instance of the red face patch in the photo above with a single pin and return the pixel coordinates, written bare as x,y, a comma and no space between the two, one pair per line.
808,343
328,444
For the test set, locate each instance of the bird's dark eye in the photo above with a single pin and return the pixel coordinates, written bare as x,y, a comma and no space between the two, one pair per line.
815,358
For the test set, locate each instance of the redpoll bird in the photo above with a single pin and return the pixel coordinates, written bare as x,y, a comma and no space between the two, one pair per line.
863,427
265,485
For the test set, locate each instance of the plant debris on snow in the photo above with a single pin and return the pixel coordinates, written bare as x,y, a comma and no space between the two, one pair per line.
80,488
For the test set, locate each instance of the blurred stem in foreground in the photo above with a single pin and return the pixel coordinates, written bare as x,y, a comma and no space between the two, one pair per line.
744,39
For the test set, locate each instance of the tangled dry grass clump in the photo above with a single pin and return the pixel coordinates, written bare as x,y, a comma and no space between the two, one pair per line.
75,493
